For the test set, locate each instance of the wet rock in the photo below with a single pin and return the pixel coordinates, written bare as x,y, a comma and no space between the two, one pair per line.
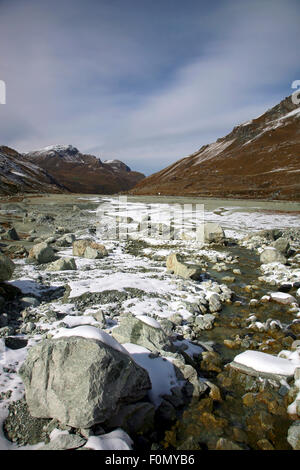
271,255
6,268
181,269
211,362
65,378
42,253
166,412
134,330
63,264
89,249
226,444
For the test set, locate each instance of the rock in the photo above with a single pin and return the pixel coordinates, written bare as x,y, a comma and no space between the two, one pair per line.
166,412
271,255
293,437
213,233
214,303
134,330
89,249
30,302
6,268
42,253
135,418
63,264
205,322
64,441
66,240
282,245
226,444
11,234
80,381
283,298
181,269
211,362
99,317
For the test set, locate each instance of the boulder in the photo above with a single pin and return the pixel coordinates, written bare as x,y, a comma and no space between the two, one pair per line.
64,441
134,418
89,249
66,240
214,302
81,381
63,264
182,269
133,330
205,322
271,255
42,253
282,245
293,437
213,233
6,268
283,298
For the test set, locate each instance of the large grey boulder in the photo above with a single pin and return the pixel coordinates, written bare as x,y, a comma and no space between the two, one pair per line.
282,245
80,381
42,253
6,268
181,269
89,249
134,330
63,264
271,255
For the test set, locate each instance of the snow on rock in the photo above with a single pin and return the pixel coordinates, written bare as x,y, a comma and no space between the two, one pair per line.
149,321
91,332
283,298
266,363
115,440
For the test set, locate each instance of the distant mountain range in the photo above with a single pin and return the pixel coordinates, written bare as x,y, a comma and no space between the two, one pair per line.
258,159
61,168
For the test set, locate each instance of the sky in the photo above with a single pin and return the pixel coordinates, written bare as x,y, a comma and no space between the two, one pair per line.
143,81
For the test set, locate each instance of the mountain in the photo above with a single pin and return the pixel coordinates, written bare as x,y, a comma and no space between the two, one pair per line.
84,173
258,159
19,175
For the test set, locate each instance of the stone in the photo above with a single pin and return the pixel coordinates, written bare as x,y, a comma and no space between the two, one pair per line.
213,233
66,240
293,437
282,245
166,411
80,381
99,317
271,255
226,444
89,249
42,253
6,268
135,331
214,303
182,269
30,302
205,322
63,264
11,234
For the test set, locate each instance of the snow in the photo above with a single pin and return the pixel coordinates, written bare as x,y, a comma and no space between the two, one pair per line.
115,440
161,371
149,321
90,332
266,363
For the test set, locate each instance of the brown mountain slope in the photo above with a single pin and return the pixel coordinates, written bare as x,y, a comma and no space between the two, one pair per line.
17,175
82,173
258,159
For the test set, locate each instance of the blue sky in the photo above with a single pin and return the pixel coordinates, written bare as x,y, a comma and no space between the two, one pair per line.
144,81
